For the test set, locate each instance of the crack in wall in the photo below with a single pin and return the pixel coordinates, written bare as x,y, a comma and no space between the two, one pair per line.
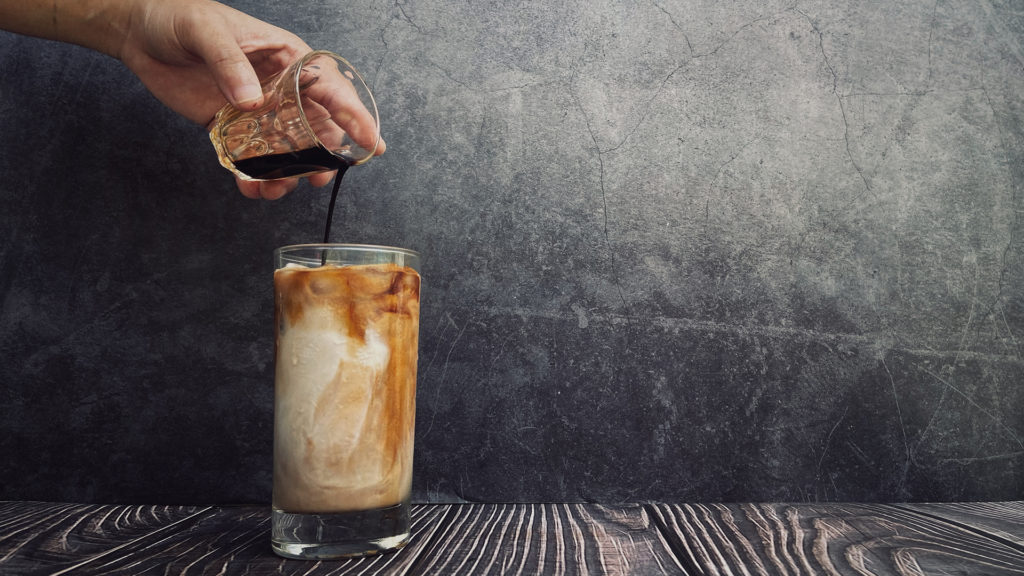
839,98
604,196
636,126
1014,225
1009,431
931,32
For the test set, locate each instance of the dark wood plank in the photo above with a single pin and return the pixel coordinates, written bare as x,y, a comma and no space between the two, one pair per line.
1002,520
45,538
834,539
236,540
548,539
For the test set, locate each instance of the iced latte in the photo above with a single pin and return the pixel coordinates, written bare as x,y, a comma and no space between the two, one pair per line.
347,322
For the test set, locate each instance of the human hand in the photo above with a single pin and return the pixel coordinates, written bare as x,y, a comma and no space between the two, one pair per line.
197,55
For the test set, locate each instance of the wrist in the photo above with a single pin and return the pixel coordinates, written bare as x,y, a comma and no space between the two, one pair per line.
101,25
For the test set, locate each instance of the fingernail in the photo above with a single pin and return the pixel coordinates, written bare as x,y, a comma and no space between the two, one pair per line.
248,96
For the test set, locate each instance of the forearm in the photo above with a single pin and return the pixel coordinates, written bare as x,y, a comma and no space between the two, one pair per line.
97,24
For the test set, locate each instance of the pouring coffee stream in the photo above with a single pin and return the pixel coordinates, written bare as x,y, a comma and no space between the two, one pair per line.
334,199
330,209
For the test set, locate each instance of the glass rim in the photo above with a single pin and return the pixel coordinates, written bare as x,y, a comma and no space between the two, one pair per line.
380,248
358,77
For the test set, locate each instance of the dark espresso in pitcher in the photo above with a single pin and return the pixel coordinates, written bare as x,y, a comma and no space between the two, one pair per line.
289,164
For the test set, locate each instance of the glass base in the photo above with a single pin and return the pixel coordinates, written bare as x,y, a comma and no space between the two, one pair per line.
339,534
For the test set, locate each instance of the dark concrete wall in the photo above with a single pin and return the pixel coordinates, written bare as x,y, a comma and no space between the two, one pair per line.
673,250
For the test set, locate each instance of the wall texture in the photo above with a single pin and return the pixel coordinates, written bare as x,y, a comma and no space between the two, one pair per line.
675,250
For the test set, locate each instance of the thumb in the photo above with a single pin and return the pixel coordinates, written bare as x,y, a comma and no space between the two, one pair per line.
230,68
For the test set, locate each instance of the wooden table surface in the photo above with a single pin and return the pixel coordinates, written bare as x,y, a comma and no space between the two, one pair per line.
654,538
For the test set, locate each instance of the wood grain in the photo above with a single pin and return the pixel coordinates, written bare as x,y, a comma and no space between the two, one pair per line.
236,540
833,539
984,539
1003,520
548,539
48,538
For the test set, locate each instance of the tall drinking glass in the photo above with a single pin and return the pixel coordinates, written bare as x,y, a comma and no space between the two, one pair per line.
347,327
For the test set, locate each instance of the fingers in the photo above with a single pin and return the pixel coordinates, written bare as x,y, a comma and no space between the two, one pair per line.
276,189
248,188
321,179
267,189
229,66
237,49
338,96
